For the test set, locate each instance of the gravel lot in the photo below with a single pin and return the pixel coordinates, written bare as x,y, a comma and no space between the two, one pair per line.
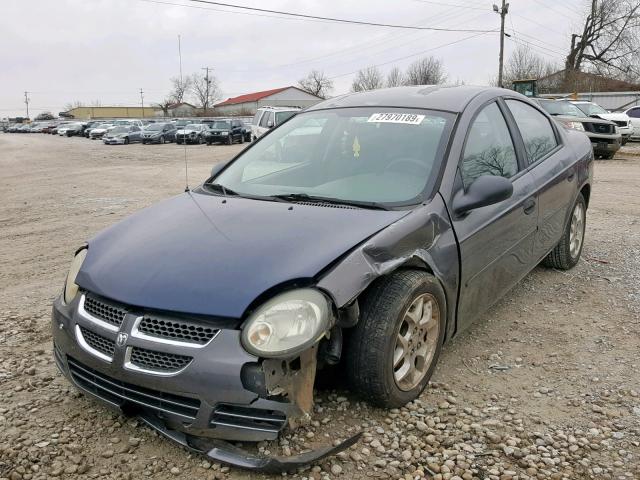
546,385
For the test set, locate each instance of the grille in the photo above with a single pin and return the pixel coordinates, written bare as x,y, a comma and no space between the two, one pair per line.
248,418
98,342
118,392
104,310
177,330
603,128
160,361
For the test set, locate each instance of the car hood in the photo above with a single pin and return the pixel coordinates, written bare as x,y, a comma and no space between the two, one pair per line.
571,118
622,117
199,254
182,132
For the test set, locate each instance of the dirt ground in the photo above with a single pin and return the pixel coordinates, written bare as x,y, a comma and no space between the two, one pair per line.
545,385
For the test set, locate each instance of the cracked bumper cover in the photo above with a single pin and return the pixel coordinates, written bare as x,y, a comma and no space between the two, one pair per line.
211,386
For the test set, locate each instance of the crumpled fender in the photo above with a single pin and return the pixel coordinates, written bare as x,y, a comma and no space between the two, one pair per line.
225,452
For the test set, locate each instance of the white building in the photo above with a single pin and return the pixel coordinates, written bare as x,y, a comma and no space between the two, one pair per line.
279,97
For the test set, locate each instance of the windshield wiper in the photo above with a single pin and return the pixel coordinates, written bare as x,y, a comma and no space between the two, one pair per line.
303,197
221,188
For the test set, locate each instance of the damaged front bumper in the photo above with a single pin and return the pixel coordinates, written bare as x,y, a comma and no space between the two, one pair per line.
198,395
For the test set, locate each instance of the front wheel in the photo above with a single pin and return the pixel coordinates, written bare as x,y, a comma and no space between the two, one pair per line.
161,139
126,140
241,139
393,350
566,253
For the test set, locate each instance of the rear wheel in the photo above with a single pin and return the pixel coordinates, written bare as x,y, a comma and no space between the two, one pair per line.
566,253
126,140
608,156
393,350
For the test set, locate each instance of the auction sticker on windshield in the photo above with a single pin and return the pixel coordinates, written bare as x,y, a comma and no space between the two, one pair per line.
406,118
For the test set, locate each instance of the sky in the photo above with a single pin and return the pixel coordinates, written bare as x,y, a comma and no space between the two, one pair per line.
63,51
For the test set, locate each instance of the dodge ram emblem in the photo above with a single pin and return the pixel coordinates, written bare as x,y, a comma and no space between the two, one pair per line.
121,339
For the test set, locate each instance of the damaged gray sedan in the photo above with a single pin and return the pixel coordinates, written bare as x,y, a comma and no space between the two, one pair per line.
364,232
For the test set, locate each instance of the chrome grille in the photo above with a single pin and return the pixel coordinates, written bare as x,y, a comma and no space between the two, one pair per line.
118,392
178,330
248,418
105,310
158,361
98,342
603,128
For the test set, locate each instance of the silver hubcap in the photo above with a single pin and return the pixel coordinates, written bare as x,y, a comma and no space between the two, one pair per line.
576,232
416,342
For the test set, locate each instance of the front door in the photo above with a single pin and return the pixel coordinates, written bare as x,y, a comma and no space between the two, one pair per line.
497,241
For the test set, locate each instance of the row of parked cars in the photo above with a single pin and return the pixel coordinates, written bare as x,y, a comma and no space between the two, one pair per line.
608,131
181,131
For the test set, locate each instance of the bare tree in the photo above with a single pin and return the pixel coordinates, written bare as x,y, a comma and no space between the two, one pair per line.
524,64
369,78
164,106
316,83
610,39
205,90
72,105
395,77
179,89
96,103
426,71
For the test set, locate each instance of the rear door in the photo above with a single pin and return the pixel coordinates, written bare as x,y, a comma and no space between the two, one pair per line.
634,116
553,167
496,242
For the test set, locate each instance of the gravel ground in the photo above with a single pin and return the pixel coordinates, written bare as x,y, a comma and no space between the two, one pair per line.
546,385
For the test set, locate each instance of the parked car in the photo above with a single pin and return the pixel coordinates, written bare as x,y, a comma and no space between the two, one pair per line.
122,135
191,133
605,139
90,126
621,119
24,128
209,313
75,129
36,127
49,126
72,127
269,117
128,121
225,131
634,117
159,133
100,130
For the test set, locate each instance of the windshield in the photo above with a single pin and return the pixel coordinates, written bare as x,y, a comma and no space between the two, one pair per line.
283,116
561,107
591,109
372,154
154,127
221,124
116,130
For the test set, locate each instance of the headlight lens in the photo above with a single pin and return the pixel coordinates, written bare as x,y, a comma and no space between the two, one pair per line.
224,133
70,287
574,126
287,324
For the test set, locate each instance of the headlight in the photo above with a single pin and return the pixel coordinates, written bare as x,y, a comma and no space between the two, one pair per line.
287,324
574,126
224,133
70,287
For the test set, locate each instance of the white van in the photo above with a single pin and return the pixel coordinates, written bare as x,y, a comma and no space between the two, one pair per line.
269,117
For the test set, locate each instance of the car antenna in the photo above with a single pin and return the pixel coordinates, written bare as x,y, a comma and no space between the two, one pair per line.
186,164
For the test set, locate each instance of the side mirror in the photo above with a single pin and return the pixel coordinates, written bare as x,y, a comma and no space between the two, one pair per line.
218,167
485,190
269,124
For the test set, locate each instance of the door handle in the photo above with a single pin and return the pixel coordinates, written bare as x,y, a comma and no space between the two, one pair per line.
571,176
529,206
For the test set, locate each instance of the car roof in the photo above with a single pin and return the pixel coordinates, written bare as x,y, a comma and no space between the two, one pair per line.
435,97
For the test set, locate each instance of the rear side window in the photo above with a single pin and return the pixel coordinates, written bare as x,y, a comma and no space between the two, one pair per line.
266,119
489,149
634,113
536,130
256,118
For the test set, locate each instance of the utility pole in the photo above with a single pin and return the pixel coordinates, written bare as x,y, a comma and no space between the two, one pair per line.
142,101
26,102
207,82
503,13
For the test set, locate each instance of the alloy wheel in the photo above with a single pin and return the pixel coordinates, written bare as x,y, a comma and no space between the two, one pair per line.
416,342
576,232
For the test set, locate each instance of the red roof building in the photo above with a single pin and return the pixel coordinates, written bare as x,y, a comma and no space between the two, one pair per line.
278,97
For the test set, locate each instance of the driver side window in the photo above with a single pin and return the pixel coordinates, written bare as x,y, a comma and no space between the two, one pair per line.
489,149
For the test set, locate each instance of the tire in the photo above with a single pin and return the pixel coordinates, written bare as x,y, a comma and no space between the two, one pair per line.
126,140
230,140
566,254
200,141
373,342
254,139
161,140
608,156
241,139
178,142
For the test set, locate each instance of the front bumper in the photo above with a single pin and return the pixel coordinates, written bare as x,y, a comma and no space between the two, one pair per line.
113,141
605,143
204,398
218,138
187,138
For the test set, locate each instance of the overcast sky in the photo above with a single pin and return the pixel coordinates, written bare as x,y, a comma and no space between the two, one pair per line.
106,50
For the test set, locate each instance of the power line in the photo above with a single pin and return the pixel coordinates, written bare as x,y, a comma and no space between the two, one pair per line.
416,54
337,20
